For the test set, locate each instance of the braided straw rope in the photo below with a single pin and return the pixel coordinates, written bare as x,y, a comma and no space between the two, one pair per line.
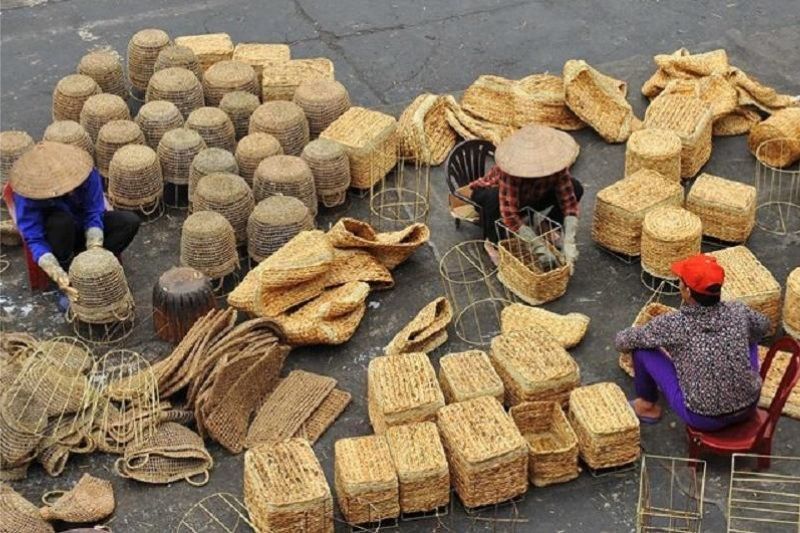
567,329
784,124
322,101
727,208
105,68
229,195
101,109
208,243
656,150
285,175
467,375
12,145
134,177
69,132
210,161
252,150
280,79
669,234
177,85
274,222
423,131
367,487
257,55
690,118
103,293
178,56
239,105
69,95
176,151
283,120
214,126
157,118
143,50
791,304
209,49
228,76
112,136
331,169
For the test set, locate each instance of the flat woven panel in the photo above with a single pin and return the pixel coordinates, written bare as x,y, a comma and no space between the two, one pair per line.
568,329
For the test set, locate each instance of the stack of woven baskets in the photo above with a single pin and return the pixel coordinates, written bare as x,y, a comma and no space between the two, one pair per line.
113,136
100,109
157,118
228,76
143,50
252,150
331,169
210,161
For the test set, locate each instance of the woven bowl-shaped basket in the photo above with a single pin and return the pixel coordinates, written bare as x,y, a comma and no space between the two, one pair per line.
228,195
690,118
12,145
176,151
19,514
214,126
70,94
143,50
654,149
273,223
283,120
239,105
177,85
105,68
210,161
727,208
252,150
791,304
208,244
69,132
280,79
285,175
259,54
784,124
103,293
134,177
209,48
331,169
669,234
228,76
113,136
425,136
322,101
100,109
178,56
539,99
157,118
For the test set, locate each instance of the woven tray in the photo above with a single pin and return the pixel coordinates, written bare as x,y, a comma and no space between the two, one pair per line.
646,314
727,208
228,76
209,48
669,234
567,329
367,487
279,79
467,375
423,131
425,332
540,99
690,118
791,304
519,271
656,150
774,377
157,118
101,109
177,85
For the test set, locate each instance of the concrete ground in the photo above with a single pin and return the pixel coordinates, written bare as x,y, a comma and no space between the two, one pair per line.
386,53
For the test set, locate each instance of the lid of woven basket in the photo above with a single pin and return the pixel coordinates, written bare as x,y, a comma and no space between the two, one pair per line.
280,211
470,371
213,160
286,474
182,139
602,408
364,464
239,102
278,114
670,223
684,115
654,142
568,329
402,383
18,514
306,256
283,169
417,451
260,53
178,56
207,223
212,45
295,71
744,274
230,74
360,129
77,85
90,500
532,357
221,188
723,193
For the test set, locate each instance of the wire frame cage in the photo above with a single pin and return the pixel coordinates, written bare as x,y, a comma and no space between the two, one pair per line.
470,284
764,501
777,189
218,513
671,491
401,197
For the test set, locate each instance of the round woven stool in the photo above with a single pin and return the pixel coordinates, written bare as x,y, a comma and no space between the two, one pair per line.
113,136
214,126
331,169
69,132
285,175
177,85
12,145
791,304
176,151
134,179
208,244
210,161
157,118
285,121
654,149
252,150
178,56
70,94
273,223
323,101
228,195
228,76
100,109
669,234
143,50
105,68
103,293
239,105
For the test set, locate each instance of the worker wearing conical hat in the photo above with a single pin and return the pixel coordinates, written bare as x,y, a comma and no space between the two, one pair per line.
531,170
60,209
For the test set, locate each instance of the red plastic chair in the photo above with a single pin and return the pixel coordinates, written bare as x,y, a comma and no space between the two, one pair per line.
38,279
755,435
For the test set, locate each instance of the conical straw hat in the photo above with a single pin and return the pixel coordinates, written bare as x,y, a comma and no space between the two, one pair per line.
50,169
536,151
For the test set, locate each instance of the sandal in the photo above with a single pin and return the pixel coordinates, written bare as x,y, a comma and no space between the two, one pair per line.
648,420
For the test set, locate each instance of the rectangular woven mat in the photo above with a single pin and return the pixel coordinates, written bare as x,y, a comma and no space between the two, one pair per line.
324,416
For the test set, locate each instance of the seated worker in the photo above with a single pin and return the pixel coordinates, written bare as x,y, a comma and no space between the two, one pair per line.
60,210
703,358
531,170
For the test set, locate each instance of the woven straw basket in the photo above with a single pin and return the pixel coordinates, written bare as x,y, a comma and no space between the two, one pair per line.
490,98
105,68
229,195
331,169
669,234
552,444
567,329
228,76
253,149
520,272
176,151
646,314
540,99
19,514
322,101
210,161
367,487
157,118
70,94
69,132
771,384
12,145
112,136
738,122
134,177
280,79
467,375
214,126
791,304
273,223
285,175
103,293
784,124
90,500
209,49
656,150
101,109
259,54
239,105
143,50
208,244
715,90
423,131
690,118
178,56
283,120
727,208
177,85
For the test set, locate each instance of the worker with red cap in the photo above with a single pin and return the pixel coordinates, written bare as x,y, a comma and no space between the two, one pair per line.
703,358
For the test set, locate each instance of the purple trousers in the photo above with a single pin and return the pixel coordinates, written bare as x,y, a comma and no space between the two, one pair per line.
655,372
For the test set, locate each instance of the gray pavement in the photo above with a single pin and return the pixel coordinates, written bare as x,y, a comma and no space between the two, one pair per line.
386,53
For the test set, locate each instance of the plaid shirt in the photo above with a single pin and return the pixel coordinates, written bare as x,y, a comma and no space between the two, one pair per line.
516,193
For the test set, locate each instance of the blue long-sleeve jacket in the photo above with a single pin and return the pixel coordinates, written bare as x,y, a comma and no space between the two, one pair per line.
86,204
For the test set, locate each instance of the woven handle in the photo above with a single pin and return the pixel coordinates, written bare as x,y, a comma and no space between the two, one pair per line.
51,497
118,470
137,461
203,481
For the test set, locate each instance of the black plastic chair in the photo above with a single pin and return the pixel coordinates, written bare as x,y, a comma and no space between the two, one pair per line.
466,163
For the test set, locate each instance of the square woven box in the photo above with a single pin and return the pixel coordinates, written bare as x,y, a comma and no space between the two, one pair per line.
421,466
366,482
692,120
279,79
209,49
402,389
534,366
370,140
727,208
749,282
606,426
468,375
621,207
487,454
285,488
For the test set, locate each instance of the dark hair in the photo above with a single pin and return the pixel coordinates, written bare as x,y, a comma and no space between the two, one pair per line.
707,300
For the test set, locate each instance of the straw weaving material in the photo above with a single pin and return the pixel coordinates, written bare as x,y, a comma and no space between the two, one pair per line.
103,293
176,151
752,92
229,195
488,456
283,120
540,99
358,265
273,223
622,206
425,136
228,76
425,332
104,68
738,122
749,282
12,145
421,465
370,140
280,79
18,514
252,150
784,124
656,150
157,118
715,90
470,127
599,100
143,50
683,64
669,234
390,248
401,390
250,296
259,54
209,48
100,109
288,407
691,119
69,95
178,56
467,375
322,101
208,243
331,169
324,416
606,426
134,177
791,304
210,161
367,487
285,175
490,98
214,126
113,136
285,488
534,366
177,85
727,208
519,271
776,371
239,105
90,500
646,314
69,132
567,329
306,256
552,444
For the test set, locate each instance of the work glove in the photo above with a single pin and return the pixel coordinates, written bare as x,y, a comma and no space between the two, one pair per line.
94,238
52,268
570,249
546,259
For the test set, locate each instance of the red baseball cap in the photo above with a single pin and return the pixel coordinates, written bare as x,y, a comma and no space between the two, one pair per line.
700,272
